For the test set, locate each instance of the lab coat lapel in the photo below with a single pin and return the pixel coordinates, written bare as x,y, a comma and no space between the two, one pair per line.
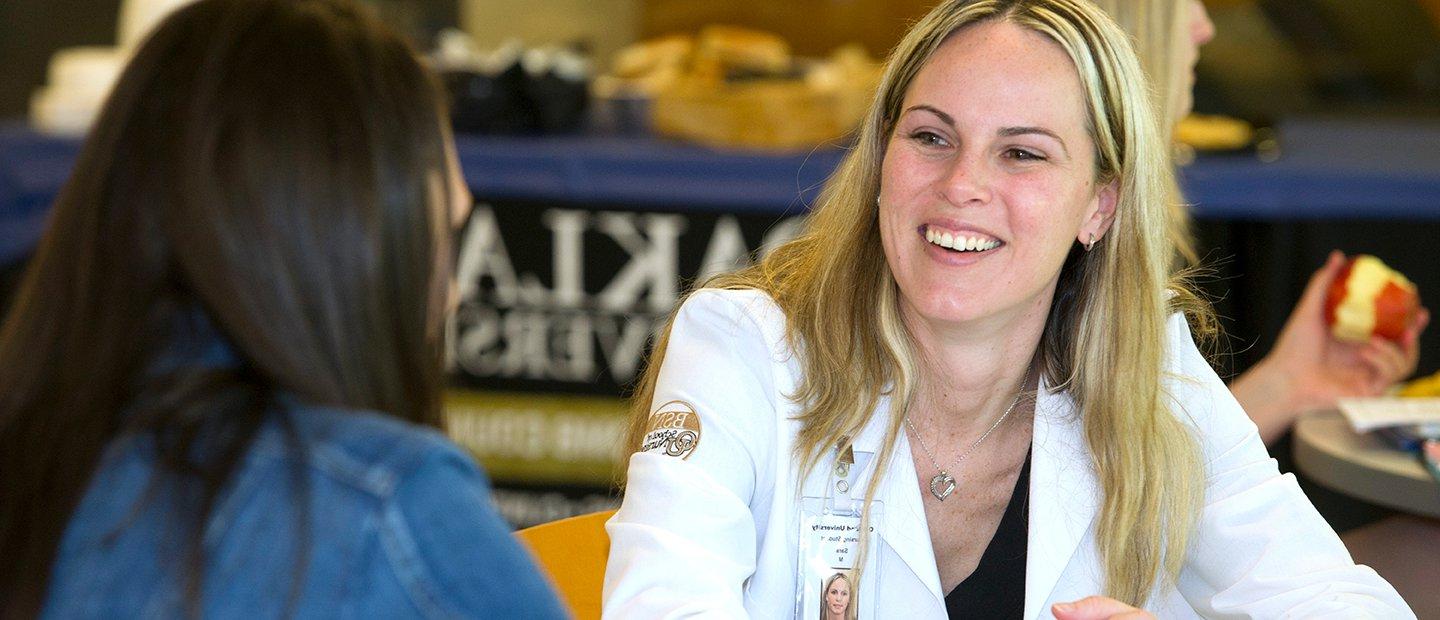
1064,495
903,527
1064,499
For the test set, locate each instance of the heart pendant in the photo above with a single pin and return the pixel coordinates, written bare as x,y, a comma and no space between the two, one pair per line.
942,485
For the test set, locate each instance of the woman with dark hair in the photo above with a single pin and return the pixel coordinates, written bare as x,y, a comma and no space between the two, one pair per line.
219,365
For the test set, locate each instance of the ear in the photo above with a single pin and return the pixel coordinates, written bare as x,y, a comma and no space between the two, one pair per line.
1101,213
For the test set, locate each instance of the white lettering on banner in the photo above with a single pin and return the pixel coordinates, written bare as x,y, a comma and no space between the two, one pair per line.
726,250
541,344
624,345
567,228
509,325
482,253
653,258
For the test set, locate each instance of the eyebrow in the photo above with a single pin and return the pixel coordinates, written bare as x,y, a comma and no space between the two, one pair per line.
944,118
1004,131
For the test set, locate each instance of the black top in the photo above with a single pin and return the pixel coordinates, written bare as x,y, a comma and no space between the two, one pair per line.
997,587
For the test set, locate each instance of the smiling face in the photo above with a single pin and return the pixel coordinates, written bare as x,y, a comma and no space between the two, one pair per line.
837,596
989,178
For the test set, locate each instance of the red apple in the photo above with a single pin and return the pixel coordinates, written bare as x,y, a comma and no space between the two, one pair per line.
1369,298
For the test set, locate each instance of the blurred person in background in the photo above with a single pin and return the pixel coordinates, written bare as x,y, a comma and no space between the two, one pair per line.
222,370
1307,369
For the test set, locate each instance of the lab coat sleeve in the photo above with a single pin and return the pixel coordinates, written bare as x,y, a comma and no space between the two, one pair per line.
684,540
1260,550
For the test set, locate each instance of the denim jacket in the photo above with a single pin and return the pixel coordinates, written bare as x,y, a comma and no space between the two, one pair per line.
400,525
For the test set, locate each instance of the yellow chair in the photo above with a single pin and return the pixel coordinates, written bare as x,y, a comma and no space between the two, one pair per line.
573,552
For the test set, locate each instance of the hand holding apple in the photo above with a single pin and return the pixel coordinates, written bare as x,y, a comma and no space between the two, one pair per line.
1369,298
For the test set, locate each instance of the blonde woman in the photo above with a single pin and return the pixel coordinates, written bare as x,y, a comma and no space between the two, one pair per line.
972,344
1307,369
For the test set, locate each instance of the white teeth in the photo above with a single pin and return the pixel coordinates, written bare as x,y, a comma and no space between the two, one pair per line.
960,243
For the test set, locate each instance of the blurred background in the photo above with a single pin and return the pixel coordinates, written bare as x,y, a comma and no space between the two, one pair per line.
620,149
1269,59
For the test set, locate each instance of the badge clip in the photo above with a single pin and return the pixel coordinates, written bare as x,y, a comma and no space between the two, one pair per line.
844,477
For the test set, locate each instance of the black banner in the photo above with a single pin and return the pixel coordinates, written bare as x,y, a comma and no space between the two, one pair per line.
565,298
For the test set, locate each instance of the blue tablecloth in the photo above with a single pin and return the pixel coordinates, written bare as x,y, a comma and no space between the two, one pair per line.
1328,170
32,170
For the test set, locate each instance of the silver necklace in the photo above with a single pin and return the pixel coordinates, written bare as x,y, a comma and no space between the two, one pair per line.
943,484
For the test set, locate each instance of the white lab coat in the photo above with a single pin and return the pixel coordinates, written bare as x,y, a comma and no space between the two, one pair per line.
716,534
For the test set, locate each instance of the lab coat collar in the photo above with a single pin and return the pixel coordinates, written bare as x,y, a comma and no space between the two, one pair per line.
1064,495
903,526
1063,498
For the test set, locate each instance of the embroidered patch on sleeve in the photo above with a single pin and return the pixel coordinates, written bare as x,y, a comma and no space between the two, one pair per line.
674,430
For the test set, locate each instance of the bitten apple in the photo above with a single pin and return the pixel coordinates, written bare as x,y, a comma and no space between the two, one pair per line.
1369,298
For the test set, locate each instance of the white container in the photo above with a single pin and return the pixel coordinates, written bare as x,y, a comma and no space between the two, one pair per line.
79,81
81,77
139,17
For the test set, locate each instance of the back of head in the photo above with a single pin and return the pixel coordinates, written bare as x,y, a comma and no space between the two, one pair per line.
273,166
297,145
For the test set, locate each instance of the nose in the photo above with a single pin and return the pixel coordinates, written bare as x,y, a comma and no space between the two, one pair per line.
1202,30
966,182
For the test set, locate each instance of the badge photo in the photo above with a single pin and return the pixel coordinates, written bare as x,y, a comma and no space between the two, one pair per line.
837,597
830,583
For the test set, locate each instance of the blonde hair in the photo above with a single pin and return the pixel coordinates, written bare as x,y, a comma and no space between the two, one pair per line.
843,310
1157,30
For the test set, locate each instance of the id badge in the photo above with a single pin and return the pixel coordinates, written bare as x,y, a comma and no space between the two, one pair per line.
831,584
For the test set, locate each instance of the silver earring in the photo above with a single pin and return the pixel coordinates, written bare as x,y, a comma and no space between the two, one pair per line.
1089,245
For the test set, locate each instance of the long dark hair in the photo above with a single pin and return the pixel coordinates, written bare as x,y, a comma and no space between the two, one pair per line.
274,166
